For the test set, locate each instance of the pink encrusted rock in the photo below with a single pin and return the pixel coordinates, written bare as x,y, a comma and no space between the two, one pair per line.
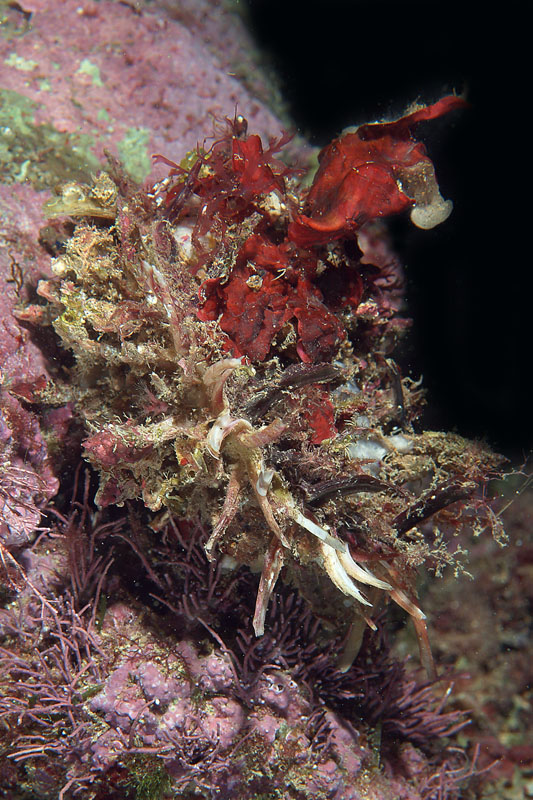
326,781
139,684
120,701
279,692
26,476
349,754
225,722
133,81
118,617
149,702
107,748
21,257
212,673
158,687
44,570
216,674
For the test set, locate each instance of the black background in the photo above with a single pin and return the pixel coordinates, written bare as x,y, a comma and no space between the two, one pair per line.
341,63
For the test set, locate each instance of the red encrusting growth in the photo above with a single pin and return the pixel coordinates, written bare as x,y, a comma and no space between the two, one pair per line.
368,174
253,307
320,415
281,282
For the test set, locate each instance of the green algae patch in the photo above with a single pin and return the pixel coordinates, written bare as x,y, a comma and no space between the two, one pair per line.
40,154
22,64
133,152
16,111
147,777
92,70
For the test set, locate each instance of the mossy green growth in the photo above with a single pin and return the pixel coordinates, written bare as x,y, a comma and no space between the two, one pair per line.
20,63
148,778
92,70
40,154
275,795
133,152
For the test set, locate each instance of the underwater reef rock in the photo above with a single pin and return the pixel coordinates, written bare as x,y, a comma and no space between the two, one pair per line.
132,700
204,613
491,651
227,339
226,371
78,78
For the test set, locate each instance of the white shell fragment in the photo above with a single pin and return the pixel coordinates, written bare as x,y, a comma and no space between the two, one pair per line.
263,481
400,442
364,449
217,433
183,238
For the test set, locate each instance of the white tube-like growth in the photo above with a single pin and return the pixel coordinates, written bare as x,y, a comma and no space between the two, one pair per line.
360,573
338,575
419,183
316,530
